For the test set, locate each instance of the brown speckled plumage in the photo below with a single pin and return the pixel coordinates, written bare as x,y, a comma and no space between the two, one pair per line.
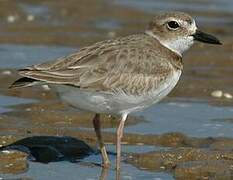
134,64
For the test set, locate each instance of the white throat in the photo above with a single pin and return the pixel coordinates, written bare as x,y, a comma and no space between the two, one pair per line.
178,45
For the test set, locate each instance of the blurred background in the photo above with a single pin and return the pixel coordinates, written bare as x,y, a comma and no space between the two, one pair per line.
186,136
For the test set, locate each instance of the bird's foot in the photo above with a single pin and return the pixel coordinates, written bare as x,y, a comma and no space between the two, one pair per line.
106,165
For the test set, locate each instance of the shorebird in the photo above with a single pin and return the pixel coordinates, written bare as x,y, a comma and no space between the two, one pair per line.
122,75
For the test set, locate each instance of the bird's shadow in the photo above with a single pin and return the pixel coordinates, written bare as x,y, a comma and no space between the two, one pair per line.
46,149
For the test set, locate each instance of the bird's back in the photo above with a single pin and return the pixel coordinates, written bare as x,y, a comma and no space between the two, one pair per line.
133,64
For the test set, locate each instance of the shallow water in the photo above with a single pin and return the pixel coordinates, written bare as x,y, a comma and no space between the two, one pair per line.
181,5
40,172
192,118
19,56
198,119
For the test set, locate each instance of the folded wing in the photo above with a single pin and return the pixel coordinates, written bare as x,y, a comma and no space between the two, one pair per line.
106,66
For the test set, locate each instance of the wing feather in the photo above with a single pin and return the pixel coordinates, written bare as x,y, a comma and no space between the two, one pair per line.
107,66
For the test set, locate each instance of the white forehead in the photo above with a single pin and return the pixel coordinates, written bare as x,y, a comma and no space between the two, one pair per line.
191,27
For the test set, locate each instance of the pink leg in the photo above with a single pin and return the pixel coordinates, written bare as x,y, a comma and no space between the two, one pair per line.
119,137
96,124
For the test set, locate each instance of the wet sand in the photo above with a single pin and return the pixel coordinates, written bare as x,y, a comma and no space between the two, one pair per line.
186,136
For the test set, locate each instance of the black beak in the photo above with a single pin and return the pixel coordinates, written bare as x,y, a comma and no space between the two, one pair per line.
206,38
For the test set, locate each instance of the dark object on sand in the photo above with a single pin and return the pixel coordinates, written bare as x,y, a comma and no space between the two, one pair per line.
47,149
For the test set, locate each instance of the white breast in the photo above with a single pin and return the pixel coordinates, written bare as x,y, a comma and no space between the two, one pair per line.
109,103
154,96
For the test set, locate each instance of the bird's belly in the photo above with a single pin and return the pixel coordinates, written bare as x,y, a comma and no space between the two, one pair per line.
111,103
154,96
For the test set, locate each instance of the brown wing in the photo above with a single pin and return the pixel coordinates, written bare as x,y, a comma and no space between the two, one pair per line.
125,63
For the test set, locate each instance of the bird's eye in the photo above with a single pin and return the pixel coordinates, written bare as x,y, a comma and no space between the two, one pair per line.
173,25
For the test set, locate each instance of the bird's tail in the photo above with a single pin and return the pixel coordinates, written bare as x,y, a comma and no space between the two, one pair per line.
23,82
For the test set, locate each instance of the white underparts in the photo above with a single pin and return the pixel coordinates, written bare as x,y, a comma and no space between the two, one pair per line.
178,44
116,103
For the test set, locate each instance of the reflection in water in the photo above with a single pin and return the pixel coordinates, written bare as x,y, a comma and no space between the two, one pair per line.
104,173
